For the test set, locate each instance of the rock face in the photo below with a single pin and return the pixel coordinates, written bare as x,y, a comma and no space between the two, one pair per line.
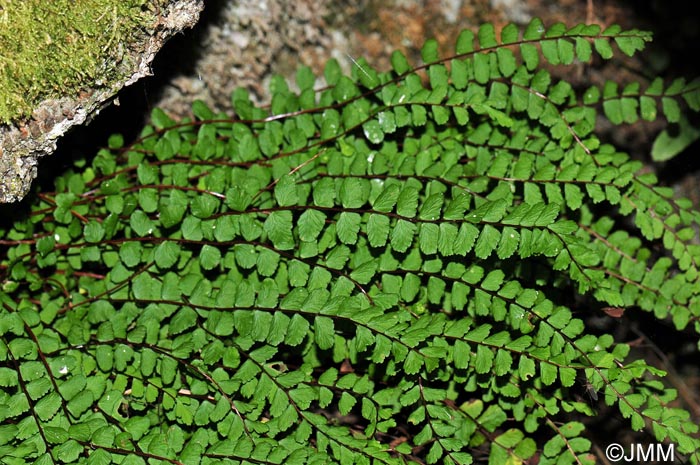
242,43
24,139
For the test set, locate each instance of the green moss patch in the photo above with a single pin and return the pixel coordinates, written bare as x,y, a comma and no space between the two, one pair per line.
56,48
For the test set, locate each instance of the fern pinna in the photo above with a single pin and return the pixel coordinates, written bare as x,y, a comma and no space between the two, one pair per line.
381,271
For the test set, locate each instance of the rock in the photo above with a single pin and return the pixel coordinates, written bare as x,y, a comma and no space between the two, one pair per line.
514,10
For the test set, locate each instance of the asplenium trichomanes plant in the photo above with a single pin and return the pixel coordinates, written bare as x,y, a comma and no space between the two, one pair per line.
379,271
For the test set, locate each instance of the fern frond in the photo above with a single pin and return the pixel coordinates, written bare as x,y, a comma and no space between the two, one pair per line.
380,271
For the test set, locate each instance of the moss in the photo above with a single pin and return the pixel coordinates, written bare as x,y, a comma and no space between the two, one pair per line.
58,48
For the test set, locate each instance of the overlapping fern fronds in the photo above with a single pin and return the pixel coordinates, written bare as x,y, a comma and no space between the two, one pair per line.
377,272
